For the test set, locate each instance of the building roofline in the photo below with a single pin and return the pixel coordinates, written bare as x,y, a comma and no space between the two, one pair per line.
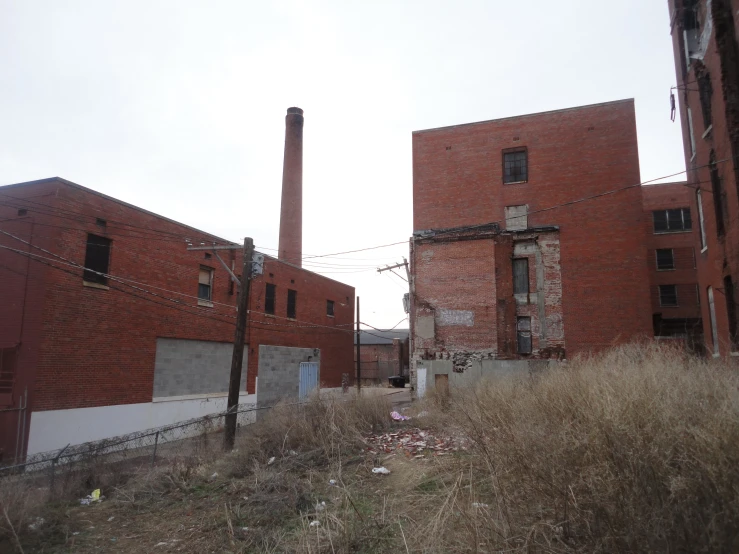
63,181
562,110
682,183
300,268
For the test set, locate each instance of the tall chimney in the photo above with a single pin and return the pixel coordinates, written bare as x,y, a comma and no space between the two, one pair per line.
291,213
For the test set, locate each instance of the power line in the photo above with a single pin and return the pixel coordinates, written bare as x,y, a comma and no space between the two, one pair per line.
385,330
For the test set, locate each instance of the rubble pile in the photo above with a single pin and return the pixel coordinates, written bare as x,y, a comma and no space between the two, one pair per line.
412,442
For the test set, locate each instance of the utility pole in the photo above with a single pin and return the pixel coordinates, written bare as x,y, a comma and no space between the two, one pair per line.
359,356
408,304
242,324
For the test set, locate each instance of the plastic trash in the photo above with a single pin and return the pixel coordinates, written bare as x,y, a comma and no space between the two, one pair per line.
111,518
479,505
214,476
315,523
95,496
332,482
271,461
381,470
320,506
37,524
398,416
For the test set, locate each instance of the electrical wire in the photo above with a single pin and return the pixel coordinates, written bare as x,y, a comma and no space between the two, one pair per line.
385,330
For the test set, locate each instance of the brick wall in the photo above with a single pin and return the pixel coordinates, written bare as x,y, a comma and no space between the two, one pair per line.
572,153
83,346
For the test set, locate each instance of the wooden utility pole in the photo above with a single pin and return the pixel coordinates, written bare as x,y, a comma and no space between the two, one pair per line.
237,358
359,356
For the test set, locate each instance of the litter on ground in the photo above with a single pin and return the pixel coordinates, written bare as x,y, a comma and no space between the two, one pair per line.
398,416
412,442
381,470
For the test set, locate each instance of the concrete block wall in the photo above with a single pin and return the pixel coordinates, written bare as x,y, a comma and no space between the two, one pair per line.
193,367
279,373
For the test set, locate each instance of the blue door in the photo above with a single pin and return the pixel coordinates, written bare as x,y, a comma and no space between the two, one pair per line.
308,378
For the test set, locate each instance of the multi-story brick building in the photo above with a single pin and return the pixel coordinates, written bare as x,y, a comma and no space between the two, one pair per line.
528,241
706,51
670,242
109,324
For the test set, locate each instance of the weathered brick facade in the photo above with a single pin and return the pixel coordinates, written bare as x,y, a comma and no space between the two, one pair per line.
705,38
81,346
588,278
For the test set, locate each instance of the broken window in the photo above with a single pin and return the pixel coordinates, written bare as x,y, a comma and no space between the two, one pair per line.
523,334
97,258
670,221
515,167
205,283
269,299
719,201
292,297
731,311
665,259
521,276
516,217
668,296
712,321
691,29
705,91
330,308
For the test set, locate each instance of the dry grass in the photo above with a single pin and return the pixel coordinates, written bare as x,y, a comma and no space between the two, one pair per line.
636,450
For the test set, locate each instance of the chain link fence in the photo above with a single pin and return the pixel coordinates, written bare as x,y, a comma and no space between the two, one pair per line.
75,469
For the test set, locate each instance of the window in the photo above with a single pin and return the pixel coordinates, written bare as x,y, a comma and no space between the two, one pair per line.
668,296
515,167
692,135
718,194
101,223
516,217
523,334
330,308
521,276
671,221
205,284
702,226
7,369
292,297
665,259
97,257
712,321
22,211
705,91
731,311
691,29
269,299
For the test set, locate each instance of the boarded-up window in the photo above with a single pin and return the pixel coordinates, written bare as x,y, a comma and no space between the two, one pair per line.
269,299
668,295
523,334
521,276
97,257
665,259
292,298
205,284
516,217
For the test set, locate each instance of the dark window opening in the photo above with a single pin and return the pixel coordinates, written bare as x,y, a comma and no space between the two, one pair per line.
208,256
719,202
205,284
7,369
705,92
515,167
691,28
269,299
292,297
669,221
521,276
330,308
523,335
22,211
731,311
668,295
97,258
101,222
665,259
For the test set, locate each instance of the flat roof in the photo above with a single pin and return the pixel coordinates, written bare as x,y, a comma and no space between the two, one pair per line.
611,103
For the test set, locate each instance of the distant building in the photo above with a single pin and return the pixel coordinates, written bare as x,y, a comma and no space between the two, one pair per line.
384,354
676,312
706,51
528,243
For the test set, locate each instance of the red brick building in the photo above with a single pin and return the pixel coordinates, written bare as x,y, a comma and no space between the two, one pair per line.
507,264
670,233
102,353
706,50
384,354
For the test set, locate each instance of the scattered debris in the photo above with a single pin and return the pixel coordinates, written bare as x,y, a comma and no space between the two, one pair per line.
479,505
332,482
315,523
111,518
320,506
244,529
90,498
293,453
381,470
214,476
271,461
424,413
399,417
75,533
412,442
37,524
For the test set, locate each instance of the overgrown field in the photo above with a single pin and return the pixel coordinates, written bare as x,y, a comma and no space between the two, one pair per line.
636,450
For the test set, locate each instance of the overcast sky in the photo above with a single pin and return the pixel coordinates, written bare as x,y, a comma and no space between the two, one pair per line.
179,106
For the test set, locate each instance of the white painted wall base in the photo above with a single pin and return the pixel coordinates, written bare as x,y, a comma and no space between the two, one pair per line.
54,429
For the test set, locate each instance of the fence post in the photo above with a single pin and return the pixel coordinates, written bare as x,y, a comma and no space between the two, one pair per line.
52,477
154,454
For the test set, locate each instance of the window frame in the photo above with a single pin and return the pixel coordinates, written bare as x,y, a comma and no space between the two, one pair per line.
267,298
521,336
330,308
512,152
211,277
521,262
683,229
90,272
672,259
661,296
292,299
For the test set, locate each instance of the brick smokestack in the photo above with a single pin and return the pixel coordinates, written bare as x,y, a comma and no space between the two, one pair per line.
291,214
